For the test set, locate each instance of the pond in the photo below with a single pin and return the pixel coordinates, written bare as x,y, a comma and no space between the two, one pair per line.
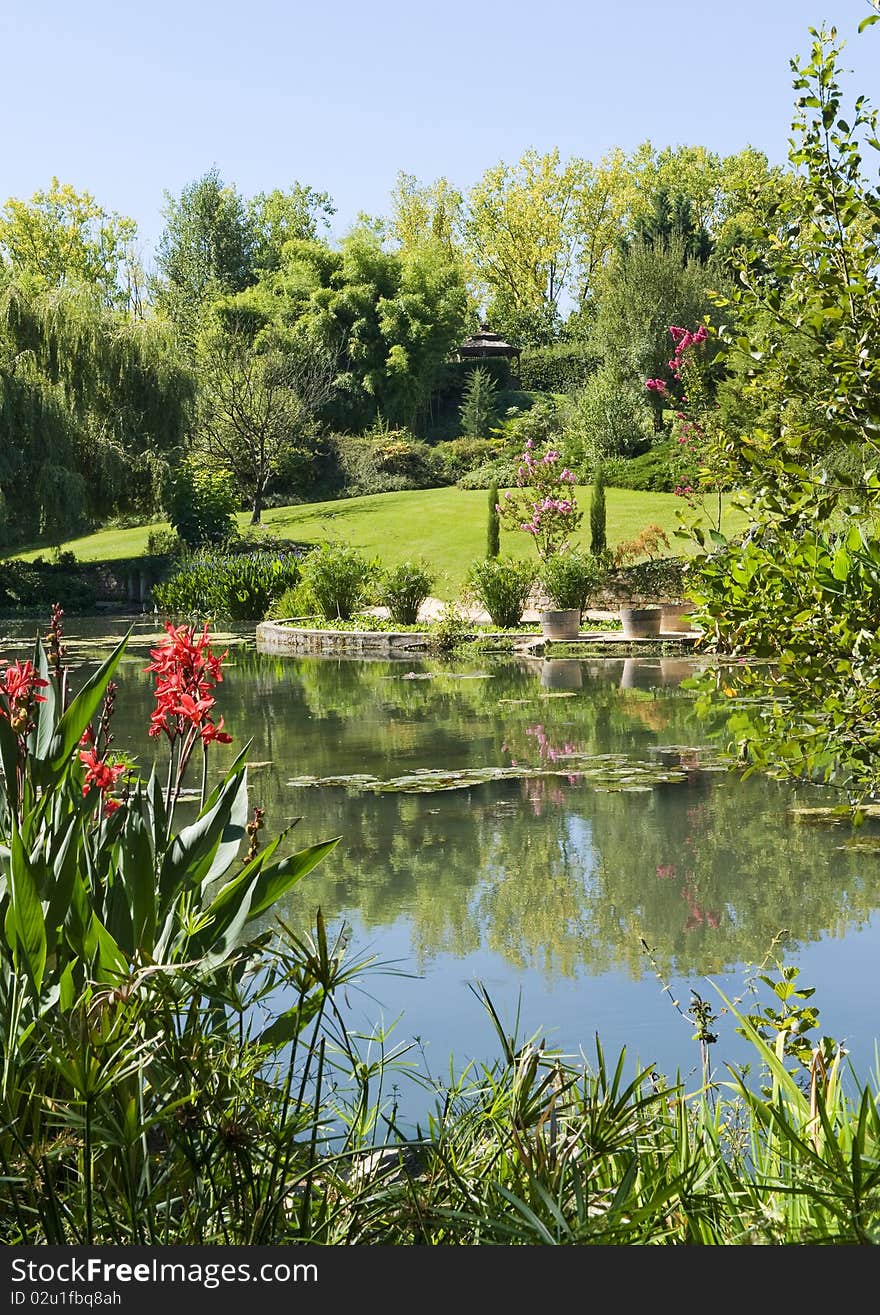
606,822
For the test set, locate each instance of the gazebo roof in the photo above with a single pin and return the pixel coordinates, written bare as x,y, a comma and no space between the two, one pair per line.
487,343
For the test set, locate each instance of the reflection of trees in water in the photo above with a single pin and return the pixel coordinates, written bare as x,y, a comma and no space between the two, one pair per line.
716,873
685,866
549,873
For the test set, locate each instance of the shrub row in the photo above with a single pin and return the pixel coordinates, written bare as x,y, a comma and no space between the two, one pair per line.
233,586
27,585
561,368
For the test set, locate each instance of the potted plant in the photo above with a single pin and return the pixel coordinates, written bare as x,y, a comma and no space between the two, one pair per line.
674,619
641,622
568,579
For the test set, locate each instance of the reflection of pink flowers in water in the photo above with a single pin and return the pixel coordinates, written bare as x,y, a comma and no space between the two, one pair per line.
697,916
665,871
547,751
540,792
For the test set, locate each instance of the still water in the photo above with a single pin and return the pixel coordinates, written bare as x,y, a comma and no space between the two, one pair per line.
612,824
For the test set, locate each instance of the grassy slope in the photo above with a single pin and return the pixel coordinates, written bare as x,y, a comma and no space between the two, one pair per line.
446,526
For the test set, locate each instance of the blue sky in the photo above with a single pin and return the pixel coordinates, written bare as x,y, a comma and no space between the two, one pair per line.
127,100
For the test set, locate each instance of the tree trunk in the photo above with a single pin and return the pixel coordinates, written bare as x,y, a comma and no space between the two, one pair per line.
257,508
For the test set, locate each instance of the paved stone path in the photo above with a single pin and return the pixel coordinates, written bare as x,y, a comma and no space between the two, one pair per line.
432,608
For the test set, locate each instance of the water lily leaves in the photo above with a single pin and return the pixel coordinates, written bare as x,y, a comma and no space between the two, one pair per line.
604,772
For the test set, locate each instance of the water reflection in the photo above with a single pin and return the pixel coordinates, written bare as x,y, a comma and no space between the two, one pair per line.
620,825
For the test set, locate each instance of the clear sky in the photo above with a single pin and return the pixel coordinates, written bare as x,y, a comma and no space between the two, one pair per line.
127,100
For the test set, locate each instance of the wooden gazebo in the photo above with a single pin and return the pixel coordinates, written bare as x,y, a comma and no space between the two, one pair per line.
484,343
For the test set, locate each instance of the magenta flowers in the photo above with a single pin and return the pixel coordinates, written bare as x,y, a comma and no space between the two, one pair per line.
545,506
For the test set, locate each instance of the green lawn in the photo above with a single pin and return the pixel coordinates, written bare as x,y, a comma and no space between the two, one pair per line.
446,526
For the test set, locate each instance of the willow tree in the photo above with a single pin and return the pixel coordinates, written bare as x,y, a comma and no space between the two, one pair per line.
93,404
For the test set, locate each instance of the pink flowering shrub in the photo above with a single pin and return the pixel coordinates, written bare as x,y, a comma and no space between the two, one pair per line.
544,504
692,411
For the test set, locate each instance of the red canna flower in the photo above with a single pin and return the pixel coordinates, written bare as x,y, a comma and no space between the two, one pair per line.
99,773
209,733
186,670
18,695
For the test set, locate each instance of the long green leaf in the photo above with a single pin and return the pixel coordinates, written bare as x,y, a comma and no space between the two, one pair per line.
27,911
191,854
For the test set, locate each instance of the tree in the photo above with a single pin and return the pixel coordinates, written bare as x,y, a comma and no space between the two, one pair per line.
522,240
479,403
390,319
647,289
493,524
598,514
278,217
94,408
420,213
62,238
207,249
258,400
803,585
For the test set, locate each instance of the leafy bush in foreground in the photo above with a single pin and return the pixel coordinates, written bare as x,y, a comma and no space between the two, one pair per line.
338,580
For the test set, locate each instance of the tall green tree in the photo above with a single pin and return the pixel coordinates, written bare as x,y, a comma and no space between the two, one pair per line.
479,403
94,410
522,240
259,398
207,249
279,216
62,239
390,318
648,288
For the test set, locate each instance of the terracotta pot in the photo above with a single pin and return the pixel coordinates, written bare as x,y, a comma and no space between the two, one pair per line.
640,622
564,623
561,673
674,619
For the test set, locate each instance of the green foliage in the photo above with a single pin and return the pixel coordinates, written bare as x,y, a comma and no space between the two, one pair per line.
385,461
235,587
803,585
28,585
460,456
62,238
207,249
404,588
339,579
644,291
164,543
201,503
539,424
655,471
598,513
562,367
93,407
500,473
259,396
479,404
569,578
388,319
503,587
450,630
609,417
493,525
